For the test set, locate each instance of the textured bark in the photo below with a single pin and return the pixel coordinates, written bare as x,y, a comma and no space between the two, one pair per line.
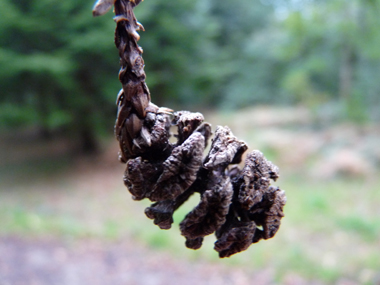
234,201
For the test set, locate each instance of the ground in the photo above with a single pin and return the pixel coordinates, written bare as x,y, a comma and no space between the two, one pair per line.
29,261
68,219
32,257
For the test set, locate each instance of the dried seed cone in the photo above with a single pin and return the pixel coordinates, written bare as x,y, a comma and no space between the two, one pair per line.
234,202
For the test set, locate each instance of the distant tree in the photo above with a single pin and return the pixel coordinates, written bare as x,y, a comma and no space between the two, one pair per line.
203,53
332,50
57,68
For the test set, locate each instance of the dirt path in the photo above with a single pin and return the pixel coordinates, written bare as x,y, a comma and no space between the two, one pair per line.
31,261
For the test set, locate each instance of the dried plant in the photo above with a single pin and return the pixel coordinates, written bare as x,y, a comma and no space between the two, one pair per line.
237,204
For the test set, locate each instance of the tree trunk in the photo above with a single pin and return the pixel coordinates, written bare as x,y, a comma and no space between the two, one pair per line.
346,73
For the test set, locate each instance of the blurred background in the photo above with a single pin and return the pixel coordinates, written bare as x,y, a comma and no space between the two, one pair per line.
297,79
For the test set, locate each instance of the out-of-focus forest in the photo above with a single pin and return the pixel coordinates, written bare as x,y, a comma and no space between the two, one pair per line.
296,79
58,65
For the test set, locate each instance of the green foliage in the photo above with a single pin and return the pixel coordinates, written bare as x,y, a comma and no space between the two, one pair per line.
332,54
58,65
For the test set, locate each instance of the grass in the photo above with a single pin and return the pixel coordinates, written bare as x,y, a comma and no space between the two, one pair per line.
324,236
331,229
